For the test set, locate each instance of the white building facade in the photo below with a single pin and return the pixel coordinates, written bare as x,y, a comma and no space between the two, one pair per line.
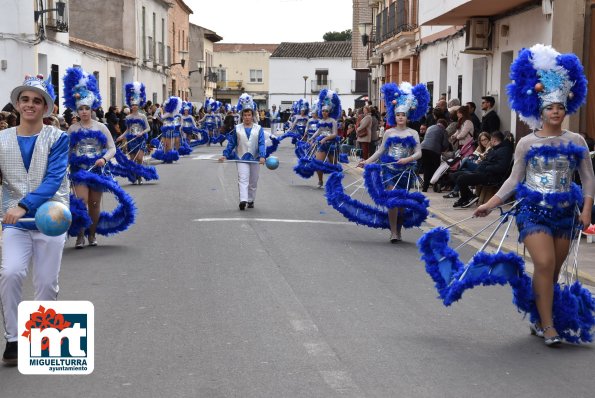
299,70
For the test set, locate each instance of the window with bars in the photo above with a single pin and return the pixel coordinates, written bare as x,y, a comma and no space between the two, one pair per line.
255,75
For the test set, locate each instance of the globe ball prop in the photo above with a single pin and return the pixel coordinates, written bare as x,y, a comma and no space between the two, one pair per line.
272,163
53,218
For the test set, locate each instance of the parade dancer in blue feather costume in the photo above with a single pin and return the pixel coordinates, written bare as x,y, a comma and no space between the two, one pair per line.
312,125
246,145
297,127
170,131
390,181
188,130
91,148
137,126
323,157
546,87
210,120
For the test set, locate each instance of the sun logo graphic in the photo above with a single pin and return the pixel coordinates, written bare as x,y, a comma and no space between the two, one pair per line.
56,337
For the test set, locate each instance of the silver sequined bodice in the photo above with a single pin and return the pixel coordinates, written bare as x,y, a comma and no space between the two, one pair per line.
325,130
89,147
168,122
301,122
136,129
187,123
399,151
549,175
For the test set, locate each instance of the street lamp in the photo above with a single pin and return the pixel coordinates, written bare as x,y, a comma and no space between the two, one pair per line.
305,78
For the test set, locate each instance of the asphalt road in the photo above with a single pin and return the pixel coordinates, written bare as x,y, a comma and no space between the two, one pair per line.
199,299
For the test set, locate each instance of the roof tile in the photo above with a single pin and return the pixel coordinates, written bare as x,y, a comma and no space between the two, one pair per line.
324,49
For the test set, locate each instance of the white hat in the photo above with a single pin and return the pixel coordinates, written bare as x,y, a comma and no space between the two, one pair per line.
38,85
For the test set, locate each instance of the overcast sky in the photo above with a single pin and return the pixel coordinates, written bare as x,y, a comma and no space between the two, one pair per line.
271,21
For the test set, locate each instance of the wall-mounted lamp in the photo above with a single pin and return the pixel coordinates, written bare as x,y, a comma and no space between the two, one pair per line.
365,29
60,7
182,62
199,67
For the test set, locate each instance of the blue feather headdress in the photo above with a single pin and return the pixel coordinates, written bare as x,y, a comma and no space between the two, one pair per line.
245,102
302,105
135,94
172,106
80,89
187,106
405,98
328,99
211,105
541,76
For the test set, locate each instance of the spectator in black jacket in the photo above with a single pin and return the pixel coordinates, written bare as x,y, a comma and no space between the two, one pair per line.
490,121
493,169
112,121
474,119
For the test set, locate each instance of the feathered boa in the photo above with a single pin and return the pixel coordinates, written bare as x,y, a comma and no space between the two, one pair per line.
414,204
574,306
110,223
131,170
352,209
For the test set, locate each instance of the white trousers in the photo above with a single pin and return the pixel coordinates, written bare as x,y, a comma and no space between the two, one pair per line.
247,180
274,127
21,247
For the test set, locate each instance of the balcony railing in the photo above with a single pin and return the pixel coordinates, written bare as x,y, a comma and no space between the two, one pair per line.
230,85
396,18
317,86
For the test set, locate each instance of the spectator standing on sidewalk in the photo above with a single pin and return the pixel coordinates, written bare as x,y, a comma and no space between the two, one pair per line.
364,133
435,142
490,121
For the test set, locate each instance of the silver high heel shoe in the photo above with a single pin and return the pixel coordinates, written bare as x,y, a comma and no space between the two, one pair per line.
551,341
535,330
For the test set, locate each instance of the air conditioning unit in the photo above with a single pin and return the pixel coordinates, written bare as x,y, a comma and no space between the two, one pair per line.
374,3
477,34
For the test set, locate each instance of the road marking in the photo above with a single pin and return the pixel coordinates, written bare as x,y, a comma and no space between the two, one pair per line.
273,220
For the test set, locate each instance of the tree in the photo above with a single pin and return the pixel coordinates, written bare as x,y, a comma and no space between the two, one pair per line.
337,36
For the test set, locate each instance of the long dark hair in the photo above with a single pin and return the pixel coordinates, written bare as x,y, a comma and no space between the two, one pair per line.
464,111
